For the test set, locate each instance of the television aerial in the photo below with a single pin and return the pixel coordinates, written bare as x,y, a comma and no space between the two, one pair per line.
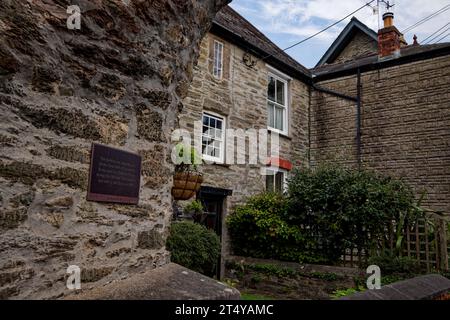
387,3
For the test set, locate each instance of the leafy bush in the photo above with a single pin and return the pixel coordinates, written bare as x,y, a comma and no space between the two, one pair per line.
394,265
194,207
325,211
327,276
194,246
273,270
257,229
339,208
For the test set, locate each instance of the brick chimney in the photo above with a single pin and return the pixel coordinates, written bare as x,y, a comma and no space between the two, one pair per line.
389,38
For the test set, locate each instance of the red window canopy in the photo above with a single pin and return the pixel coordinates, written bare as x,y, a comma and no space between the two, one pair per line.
280,163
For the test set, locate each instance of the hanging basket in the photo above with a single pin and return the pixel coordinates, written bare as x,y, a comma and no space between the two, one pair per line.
186,185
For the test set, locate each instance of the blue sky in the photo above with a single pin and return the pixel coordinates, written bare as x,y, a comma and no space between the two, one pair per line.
287,21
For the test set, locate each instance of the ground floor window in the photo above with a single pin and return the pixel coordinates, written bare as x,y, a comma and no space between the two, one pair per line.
276,180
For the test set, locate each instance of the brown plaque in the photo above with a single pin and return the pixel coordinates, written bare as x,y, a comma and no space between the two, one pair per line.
114,176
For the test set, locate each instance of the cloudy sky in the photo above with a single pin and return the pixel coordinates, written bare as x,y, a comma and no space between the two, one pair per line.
288,21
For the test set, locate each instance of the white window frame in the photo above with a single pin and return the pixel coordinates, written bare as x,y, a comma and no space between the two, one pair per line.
285,79
218,59
272,171
207,157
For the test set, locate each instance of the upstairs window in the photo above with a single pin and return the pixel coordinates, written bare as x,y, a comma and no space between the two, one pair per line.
276,180
218,60
213,138
277,106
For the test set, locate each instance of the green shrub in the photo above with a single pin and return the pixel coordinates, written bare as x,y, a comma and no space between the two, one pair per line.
257,229
325,211
194,246
393,265
327,276
194,207
340,208
273,270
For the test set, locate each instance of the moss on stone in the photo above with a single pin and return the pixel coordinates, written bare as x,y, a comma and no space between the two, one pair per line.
150,239
12,218
149,124
28,173
25,172
72,177
95,274
23,199
69,153
107,129
7,141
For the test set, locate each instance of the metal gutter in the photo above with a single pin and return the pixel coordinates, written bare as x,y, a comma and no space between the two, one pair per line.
376,64
358,121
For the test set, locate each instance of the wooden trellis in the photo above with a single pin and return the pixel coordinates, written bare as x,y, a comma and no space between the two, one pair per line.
425,240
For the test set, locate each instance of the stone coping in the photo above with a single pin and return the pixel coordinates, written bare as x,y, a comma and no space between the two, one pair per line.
301,267
169,282
426,287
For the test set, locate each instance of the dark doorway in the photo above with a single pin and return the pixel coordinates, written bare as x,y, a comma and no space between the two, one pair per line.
213,200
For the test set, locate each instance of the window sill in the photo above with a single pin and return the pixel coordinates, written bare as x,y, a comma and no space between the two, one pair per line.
218,164
281,134
224,165
214,162
223,79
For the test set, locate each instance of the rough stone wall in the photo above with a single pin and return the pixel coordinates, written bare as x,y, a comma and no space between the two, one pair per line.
241,97
405,125
360,45
119,81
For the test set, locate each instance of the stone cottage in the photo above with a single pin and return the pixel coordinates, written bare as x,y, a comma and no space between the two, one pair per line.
234,88
124,80
372,101
393,111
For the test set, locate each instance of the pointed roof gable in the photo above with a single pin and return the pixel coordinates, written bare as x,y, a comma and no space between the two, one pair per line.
344,38
233,27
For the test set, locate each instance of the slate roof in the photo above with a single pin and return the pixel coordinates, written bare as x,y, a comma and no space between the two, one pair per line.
407,54
344,38
231,26
231,23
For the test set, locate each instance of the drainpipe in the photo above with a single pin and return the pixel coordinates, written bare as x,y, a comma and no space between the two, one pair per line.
309,125
357,100
358,120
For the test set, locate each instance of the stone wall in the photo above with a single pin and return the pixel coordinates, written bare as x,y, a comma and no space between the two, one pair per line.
241,98
405,125
118,81
361,45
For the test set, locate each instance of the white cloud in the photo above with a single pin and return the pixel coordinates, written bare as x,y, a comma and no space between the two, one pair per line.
305,17
286,22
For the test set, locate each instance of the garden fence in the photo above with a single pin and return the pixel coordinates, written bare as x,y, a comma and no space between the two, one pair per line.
426,240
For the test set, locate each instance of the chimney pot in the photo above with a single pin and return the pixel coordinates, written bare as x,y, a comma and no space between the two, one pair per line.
388,19
389,38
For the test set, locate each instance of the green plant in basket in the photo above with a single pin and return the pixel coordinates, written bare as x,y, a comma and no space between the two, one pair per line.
186,158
